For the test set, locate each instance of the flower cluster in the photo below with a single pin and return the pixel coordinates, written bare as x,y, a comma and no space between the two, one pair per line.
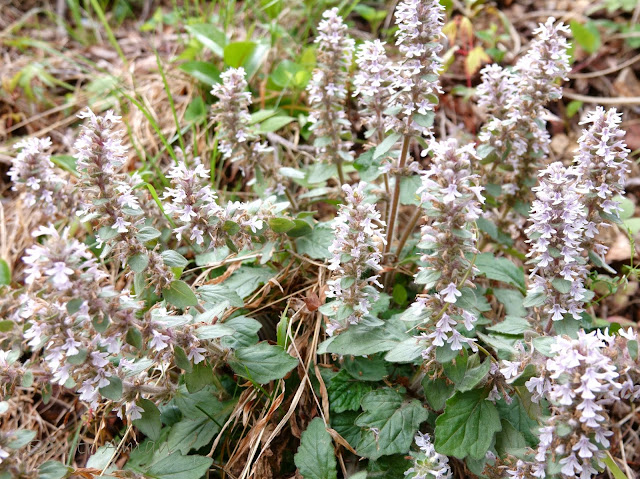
556,233
236,140
428,464
108,196
415,77
515,100
355,249
32,173
194,206
90,335
585,376
328,89
451,203
372,84
603,166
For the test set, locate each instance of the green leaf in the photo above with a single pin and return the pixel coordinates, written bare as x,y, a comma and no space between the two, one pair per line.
173,259
372,368
200,376
511,325
573,107
613,467
114,390
134,337
138,262
146,233
316,244
516,414
345,393
53,470
359,341
281,225
180,295
301,228
177,466
437,391
262,362
393,418
512,300
196,112
249,55
247,279
182,360
467,426
20,438
316,458
586,35
214,331
5,273
275,123
207,34
149,424
205,72
6,325
386,145
473,376
501,269
245,332
219,293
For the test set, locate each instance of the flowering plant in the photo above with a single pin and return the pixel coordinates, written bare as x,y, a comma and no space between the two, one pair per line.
391,300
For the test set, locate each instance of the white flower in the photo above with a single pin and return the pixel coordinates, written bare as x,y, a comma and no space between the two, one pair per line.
121,225
59,273
158,342
451,293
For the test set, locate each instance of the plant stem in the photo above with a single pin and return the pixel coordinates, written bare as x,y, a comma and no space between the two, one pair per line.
340,172
409,229
393,212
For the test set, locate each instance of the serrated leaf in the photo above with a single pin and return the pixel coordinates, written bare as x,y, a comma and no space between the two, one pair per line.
316,458
437,391
391,423
473,376
467,426
180,294
517,416
345,393
262,362
316,244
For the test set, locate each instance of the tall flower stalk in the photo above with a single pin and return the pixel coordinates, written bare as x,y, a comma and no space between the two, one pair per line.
356,250
328,91
108,196
451,200
415,85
